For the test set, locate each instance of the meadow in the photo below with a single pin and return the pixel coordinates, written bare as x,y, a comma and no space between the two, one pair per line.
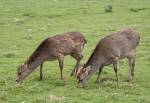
25,23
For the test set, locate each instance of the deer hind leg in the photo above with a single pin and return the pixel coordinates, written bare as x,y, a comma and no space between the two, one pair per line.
78,59
98,76
41,72
61,64
131,68
116,68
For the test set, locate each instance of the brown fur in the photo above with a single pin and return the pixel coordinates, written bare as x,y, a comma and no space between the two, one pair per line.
54,48
110,50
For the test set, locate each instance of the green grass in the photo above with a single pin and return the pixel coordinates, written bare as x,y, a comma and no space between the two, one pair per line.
25,23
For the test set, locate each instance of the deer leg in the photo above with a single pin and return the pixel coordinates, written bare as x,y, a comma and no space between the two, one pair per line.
133,64
131,68
61,63
99,73
116,68
41,72
75,69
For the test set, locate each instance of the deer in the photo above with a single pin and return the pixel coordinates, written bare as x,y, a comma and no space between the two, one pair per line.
54,48
110,50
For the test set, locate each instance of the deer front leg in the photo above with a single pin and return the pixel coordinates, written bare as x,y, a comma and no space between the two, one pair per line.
116,68
41,72
99,73
78,59
131,68
61,64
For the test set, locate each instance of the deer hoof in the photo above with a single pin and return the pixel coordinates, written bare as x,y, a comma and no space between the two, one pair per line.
129,79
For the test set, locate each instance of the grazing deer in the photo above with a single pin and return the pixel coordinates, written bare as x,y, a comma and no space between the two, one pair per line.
54,48
110,50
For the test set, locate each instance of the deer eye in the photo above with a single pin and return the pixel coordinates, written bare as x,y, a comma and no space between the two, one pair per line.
80,80
19,73
78,77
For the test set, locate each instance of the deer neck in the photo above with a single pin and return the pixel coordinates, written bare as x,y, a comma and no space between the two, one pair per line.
34,62
95,62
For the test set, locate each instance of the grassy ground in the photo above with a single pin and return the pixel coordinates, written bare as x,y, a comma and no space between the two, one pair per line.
24,23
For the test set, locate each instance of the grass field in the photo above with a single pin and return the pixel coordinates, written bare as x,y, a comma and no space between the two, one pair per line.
25,23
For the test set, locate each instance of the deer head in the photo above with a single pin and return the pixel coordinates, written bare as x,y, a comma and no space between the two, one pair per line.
22,72
82,76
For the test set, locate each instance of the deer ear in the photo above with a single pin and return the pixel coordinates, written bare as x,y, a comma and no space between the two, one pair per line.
78,70
88,69
26,66
83,70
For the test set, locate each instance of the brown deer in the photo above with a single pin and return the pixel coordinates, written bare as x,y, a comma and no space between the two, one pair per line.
54,48
110,50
